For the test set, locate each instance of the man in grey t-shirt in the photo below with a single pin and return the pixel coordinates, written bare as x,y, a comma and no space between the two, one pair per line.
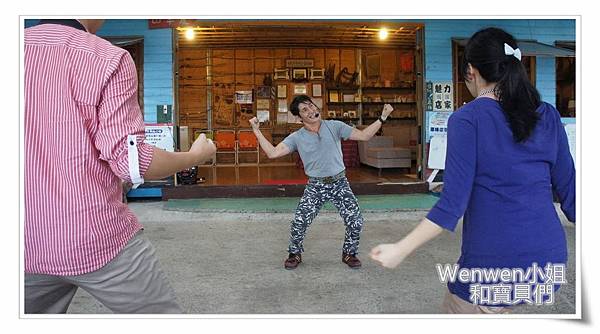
319,144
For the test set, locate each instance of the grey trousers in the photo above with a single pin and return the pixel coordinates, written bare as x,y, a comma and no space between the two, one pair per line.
132,282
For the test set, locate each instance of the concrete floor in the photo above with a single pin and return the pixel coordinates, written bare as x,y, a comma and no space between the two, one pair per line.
232,263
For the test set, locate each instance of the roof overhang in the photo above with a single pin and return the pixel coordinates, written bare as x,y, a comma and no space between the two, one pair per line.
532,48
299,33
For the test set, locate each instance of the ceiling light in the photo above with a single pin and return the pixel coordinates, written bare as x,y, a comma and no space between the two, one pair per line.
383,33
189,33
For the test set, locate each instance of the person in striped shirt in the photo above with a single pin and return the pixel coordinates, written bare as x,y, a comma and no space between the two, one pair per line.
84,135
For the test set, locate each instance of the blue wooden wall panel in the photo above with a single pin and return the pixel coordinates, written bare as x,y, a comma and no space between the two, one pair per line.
158,61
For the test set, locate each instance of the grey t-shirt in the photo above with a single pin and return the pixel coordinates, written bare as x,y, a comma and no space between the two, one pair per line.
322,153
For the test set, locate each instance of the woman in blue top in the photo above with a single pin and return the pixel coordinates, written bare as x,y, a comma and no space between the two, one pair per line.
507,155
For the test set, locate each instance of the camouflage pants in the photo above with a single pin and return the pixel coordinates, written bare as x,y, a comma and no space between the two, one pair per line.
315,195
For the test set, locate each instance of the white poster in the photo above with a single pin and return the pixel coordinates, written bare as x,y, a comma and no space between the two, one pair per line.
160,136
281,118
437,152
243,97
262,115
571,135
282,106
437,124
316,90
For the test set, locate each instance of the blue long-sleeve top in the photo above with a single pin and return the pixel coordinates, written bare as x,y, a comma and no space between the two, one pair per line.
504,189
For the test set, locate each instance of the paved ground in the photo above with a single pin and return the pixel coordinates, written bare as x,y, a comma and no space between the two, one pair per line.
231,263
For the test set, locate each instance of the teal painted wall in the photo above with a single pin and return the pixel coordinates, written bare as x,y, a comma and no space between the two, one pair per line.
158,60
158,51
438,45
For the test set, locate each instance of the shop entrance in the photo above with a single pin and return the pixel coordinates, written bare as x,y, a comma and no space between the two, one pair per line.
228,72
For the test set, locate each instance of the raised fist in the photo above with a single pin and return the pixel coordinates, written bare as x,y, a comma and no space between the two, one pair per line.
254,123
203,149
387,110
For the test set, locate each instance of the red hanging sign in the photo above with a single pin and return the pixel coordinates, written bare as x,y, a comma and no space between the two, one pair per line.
168,23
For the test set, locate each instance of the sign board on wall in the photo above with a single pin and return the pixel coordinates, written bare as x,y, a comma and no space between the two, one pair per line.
262,115
439,99
436,135
571,130
443,97
429,96
437,152
243,97
164,113
172,23
160,136
437,124
304,62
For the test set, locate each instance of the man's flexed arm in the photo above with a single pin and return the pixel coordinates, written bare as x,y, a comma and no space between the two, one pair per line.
371,130
271,151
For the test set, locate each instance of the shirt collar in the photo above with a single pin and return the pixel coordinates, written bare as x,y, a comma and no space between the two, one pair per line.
70,23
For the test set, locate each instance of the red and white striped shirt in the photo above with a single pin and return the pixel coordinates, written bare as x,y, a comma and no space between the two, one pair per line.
80,105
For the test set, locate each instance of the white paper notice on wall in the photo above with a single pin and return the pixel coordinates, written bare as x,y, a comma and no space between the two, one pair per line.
262,115
571,136
160,136
281,118
437,152
437,124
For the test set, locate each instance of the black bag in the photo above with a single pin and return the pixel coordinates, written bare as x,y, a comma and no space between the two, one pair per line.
188,176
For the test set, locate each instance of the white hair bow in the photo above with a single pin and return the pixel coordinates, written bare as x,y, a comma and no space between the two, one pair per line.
509,51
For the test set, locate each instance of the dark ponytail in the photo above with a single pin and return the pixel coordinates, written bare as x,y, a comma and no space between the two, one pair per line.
517,96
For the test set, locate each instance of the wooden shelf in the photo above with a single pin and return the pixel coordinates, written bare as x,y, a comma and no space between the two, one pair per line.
345,89
341,103
380,103
387,88
392,118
